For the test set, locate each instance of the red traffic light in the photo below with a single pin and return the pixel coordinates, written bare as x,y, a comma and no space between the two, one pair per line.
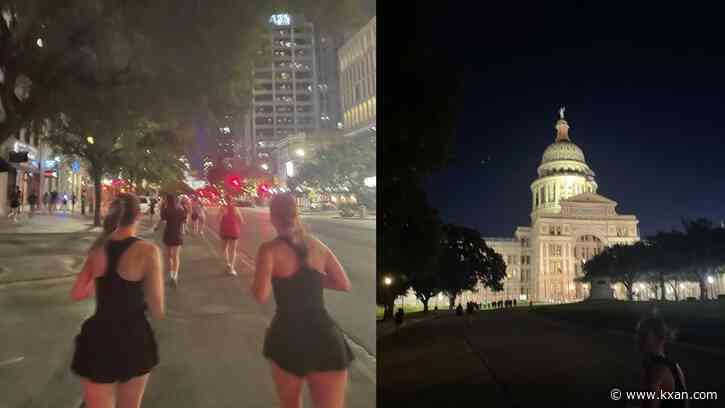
264,188
235,181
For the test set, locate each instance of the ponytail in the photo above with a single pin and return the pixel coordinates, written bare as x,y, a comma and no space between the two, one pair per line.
110,223
123,212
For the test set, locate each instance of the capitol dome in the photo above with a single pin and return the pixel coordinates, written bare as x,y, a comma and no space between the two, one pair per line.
563,150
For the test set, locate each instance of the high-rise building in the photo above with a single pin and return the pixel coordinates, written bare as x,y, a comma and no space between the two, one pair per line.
357,62
285,83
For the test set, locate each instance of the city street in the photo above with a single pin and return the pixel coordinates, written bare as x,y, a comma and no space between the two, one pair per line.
210,341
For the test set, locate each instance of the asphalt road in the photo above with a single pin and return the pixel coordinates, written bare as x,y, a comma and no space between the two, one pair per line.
210,342
516,358
354,242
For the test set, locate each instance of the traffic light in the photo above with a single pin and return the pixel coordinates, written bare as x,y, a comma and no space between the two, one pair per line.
235,181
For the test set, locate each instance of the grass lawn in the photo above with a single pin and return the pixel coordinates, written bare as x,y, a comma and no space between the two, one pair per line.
407,309
694,322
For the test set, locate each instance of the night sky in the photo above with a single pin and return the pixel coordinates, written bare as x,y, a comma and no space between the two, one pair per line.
644,92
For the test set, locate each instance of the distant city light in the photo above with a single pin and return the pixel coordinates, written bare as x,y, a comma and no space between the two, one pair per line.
388,281
280,19
90,140
369,182
290,166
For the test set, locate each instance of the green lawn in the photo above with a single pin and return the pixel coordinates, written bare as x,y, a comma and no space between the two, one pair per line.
694,322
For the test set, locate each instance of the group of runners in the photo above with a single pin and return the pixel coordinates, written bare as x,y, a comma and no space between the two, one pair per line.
116,349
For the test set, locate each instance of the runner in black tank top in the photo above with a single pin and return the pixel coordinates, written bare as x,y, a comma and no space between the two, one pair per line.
303,338
660,374
116,343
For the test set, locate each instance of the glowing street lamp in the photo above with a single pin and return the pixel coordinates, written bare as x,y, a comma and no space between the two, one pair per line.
264,166
388,281
300,152
39,42
90,140
710,280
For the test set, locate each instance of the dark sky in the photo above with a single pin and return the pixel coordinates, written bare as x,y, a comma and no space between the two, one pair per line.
644,92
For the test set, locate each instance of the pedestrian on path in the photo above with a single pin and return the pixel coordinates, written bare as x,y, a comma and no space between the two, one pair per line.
15,197
116,349
65,202
198,217
33,201
53,201
230,229
303,343
659,374
399,315
73,202
174,215
152,207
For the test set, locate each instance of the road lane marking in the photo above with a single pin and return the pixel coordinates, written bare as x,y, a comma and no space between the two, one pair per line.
12,360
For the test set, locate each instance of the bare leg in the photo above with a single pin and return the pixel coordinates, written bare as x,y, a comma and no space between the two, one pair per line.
233,250
130,393
225,251
327,388
177,263
289,387
97,395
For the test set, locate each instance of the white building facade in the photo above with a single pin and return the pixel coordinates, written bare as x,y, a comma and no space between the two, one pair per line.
570,223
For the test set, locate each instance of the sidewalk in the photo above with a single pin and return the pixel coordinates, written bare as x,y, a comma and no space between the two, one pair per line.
44,223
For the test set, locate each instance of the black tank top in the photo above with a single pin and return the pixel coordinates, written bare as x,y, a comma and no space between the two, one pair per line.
655,359
116,297
300,296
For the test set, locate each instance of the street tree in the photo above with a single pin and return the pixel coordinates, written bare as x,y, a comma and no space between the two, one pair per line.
467,263
410,243
426,283
341,166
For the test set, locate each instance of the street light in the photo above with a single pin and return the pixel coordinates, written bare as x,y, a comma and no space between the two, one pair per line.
265,167
300,152
388,281
39,42
90,140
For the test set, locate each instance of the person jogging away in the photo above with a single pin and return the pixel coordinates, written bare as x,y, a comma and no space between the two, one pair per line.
15,196
174,215
187,210
46,198
33,201
229,231
152,208
659,374
303,343
197,216
116,349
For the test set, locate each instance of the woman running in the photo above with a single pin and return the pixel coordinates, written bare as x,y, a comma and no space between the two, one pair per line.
303,343
198,216
229,231
116,349
175,216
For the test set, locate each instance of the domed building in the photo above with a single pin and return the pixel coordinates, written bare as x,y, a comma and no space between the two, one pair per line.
570,223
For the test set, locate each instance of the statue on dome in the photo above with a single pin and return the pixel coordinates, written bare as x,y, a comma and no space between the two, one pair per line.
561,112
